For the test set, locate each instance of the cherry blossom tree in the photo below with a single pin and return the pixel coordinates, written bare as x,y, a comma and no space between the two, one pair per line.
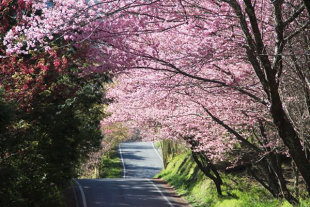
176,108
226,50
262,46
259,51
269,68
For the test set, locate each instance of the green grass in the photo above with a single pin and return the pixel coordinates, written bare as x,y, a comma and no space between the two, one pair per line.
110,165
157,144
183,174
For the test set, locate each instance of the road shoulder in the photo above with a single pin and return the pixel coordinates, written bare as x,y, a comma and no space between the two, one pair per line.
170,192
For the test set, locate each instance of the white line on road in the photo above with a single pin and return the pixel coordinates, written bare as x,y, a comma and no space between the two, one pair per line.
82,193
157,152
161,193
120,152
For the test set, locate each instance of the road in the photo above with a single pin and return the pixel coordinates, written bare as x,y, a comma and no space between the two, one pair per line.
140,162
140,159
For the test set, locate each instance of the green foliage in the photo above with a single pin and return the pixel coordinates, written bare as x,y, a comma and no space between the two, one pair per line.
51,123
41,149
6,111
110,165
183,174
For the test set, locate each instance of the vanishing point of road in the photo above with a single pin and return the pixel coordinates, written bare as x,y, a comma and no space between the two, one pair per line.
140,161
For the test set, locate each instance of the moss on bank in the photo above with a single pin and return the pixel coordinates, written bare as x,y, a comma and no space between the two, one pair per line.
239,191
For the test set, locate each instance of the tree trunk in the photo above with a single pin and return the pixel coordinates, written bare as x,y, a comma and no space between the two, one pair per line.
270,185
272,178
296,182
276,167
269,75
289,136
208,168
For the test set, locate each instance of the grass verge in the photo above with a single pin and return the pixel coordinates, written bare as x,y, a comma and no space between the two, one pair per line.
183,174
110,165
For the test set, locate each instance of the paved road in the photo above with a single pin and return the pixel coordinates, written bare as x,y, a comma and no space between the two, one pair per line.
137,189
140,159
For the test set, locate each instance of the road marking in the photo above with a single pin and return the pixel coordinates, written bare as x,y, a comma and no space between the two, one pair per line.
82,193
161,193
120,152
157,152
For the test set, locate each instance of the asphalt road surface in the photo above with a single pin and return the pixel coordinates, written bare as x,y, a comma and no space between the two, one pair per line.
140,159
140,162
